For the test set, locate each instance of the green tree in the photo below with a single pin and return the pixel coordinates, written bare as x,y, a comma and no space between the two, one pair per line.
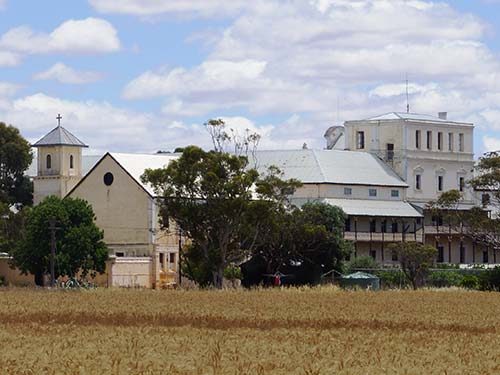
283,235
209,195
79,246
475,223
415,260
15,158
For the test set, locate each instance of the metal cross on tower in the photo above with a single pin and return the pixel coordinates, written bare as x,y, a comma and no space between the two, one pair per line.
59,118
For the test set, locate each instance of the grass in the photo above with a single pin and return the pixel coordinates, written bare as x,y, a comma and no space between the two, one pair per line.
288,331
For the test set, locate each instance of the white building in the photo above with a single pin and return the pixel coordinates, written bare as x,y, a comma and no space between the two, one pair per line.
392,166
432,155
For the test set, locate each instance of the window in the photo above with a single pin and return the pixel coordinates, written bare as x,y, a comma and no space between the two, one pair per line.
71,162
394,256
461,183
429,140
417,139
108,179
347,225
450,141
360,140
171,257
162,261
372,192
383,226
390,152
462,253
440,249
440,141
373,254
49,162
120,254
394,227
485,199
485,256
347,191
437,220
373,226
461,142
419,220
440,183
395,193
418,182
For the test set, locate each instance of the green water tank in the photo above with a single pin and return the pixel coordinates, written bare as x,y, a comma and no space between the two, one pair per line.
361,280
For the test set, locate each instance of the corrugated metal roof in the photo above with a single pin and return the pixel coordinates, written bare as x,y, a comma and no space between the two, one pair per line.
59,136
460,206
329,166
136,164
412,116
369,207
360,275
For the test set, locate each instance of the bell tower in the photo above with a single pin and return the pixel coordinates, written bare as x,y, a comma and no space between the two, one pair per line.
59,164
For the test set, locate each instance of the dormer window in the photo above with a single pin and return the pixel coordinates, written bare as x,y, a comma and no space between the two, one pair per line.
49,162
71,162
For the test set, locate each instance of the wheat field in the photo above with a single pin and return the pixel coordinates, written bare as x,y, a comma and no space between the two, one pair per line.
276,331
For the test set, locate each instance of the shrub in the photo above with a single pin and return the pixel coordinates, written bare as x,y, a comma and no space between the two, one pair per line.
232,273
470,282
393,279
443,279
360,263
490,279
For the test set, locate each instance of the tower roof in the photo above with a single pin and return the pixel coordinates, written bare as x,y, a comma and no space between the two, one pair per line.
59,136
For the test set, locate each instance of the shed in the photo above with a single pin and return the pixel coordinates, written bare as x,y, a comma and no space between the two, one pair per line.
361,280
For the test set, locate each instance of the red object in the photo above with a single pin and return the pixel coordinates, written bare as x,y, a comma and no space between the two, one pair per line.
277,280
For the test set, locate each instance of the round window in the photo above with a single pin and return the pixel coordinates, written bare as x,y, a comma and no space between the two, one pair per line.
108,178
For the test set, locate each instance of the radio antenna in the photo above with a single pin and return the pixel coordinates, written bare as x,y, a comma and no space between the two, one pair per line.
407,96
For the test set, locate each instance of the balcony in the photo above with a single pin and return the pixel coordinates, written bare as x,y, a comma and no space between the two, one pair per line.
383,237
442,229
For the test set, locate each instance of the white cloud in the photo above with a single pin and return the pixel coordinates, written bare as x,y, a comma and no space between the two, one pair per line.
323,52
8,58
491,143
90,35
97,122
92,121
209,76
395,89
66,74
8,89
203,8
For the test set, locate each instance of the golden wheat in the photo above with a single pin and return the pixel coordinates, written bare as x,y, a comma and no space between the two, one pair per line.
277,331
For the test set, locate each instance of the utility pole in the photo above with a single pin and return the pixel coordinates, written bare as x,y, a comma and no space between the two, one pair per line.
180,256
52,228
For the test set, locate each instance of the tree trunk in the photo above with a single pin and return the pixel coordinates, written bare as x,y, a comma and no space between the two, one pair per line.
39,279
218,277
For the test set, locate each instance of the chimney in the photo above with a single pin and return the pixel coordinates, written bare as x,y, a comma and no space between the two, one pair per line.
443,115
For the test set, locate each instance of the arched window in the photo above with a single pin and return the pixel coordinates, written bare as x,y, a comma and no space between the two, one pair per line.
49,162
71,162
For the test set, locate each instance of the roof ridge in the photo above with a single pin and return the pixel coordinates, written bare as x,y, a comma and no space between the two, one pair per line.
59,136
322,173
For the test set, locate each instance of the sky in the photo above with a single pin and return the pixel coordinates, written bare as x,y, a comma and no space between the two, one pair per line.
144,75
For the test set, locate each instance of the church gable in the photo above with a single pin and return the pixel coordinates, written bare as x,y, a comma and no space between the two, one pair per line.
121,205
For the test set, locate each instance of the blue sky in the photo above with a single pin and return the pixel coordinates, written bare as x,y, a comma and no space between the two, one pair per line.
143,75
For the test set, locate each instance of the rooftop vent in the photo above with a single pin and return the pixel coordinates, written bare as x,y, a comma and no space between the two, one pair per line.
443,115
